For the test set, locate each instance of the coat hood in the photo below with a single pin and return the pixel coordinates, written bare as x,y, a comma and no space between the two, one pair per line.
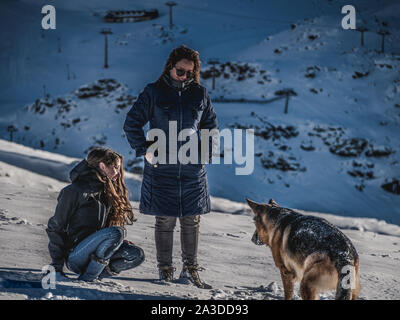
81,169
83,173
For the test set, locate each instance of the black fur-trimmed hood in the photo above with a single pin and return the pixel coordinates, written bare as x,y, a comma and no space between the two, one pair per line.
86,175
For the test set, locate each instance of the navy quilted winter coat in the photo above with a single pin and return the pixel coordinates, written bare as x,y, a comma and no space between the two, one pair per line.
171,189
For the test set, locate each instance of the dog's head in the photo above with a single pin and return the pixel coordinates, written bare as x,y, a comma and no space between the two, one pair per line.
261,219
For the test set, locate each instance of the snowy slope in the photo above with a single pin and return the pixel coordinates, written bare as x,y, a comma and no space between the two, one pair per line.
225,248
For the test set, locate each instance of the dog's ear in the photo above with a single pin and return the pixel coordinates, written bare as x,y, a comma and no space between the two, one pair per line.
273,203
256,207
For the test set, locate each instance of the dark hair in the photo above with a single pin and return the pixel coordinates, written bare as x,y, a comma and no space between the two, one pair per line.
116,191
179,53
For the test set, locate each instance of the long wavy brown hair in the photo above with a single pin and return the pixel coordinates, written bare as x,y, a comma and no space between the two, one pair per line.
116,192
179,53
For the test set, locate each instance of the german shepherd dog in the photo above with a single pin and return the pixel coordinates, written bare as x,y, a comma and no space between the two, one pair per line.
307,249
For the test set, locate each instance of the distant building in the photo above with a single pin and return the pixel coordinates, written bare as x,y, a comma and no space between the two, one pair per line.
130,15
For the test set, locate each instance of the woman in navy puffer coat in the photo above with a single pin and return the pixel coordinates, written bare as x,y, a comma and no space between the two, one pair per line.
174,190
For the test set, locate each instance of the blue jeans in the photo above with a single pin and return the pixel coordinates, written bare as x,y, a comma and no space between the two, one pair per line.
107,245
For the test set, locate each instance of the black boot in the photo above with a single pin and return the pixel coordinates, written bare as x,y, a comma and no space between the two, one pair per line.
166,273
107,273
190,274
94,269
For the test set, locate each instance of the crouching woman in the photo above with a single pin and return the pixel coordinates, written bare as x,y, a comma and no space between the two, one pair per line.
88,228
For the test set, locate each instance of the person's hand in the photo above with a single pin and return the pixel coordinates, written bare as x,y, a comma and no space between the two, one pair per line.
149,157
129,242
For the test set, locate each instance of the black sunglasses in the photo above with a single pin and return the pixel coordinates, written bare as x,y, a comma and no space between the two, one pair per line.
181,72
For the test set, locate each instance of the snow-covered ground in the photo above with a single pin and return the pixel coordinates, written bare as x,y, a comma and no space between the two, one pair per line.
331,153
235,267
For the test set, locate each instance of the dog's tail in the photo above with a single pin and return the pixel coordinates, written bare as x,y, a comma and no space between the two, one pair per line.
348,285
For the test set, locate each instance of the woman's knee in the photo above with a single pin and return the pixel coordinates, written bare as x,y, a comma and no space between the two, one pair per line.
117,233
132,257
130,252
112,242
165,223
190,221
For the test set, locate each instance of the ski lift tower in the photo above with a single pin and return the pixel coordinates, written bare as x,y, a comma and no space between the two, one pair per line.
383,33
362,29
287,93
170,4
11,129
213,62
106,31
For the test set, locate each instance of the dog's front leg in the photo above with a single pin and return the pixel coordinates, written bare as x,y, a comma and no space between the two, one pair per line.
287,276
288,282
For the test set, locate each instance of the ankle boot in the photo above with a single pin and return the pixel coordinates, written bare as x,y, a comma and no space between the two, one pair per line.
107,273
94,269
190,273
166,273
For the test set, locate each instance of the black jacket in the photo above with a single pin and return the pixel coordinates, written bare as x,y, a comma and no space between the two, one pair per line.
171,189
81,211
